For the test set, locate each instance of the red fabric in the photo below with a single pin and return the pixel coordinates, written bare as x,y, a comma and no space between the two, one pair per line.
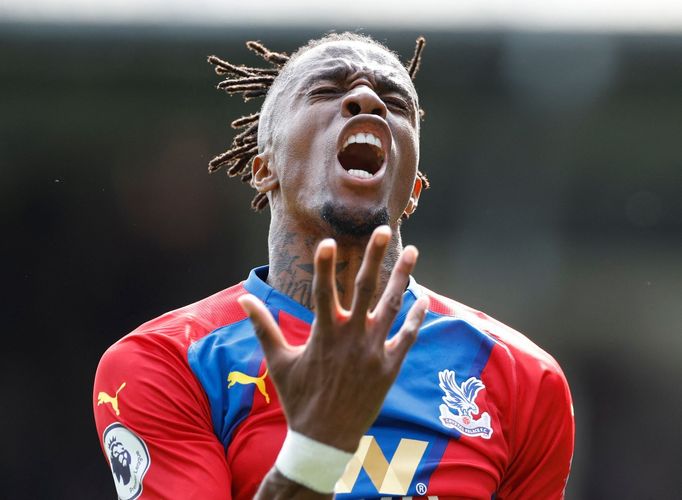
258,439
256,443
532,405
163,403
525,394
473,467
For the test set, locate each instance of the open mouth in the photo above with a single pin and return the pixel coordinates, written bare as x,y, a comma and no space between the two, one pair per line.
362,155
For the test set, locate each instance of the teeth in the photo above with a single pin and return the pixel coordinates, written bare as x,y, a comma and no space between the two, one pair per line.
360,174
363,138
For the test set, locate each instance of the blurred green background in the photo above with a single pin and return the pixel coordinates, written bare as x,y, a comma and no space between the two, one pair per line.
556,207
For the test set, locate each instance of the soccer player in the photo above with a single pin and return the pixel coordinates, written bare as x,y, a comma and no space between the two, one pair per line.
331,371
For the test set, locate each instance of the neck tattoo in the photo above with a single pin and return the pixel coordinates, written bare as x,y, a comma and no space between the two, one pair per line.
291,268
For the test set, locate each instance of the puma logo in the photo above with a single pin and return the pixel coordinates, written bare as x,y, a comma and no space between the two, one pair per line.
103,398
244,379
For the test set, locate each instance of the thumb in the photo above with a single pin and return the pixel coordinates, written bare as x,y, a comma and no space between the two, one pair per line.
398,346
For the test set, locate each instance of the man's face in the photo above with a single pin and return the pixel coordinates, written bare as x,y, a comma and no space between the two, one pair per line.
345,136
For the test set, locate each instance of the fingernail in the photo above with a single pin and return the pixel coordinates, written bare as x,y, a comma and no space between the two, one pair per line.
383,235
244,303
326,248
411,254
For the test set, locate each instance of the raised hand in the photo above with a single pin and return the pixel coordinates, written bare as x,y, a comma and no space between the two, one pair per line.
332,388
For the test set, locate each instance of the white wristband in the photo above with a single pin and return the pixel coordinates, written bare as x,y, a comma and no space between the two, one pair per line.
315,465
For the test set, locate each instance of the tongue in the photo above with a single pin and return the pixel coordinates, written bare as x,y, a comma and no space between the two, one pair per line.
363,157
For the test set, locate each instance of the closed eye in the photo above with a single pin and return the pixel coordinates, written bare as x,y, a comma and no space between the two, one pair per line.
321,91
396,103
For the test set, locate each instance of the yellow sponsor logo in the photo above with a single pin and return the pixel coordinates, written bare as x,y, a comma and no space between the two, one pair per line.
236,377
390,478
104,398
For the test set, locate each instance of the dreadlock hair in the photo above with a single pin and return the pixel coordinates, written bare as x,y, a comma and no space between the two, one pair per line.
252,82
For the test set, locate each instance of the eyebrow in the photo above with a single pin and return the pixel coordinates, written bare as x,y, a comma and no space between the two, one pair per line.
330,73
390,85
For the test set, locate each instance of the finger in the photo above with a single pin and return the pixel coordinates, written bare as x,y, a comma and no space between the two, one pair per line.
268,332
324,282
366,280
392,299
397,347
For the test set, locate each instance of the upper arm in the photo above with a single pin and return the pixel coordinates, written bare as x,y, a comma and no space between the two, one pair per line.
544,438
156,433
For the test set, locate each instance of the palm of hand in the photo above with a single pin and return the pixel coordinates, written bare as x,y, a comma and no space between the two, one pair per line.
331,389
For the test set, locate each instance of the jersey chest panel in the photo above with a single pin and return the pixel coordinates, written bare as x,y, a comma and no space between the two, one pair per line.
415,447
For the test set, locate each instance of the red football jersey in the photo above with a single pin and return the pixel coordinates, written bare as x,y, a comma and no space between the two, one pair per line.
185,409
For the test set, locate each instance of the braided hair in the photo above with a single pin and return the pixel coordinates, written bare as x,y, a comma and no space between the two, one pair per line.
253,82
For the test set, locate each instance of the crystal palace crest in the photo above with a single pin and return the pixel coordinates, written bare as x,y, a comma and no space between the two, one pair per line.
462,399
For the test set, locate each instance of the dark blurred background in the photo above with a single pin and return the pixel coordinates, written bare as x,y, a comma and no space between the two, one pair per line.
556,207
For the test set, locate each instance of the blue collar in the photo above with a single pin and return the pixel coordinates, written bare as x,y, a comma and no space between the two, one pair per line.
257,285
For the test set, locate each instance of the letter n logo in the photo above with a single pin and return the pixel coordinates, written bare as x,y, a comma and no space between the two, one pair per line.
390,478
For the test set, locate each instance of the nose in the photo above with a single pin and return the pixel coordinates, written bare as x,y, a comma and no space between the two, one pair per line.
363,99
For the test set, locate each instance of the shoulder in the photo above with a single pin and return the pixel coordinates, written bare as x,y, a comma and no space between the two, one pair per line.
531,391
178,329
148,404
529,379
147,371
523,353
153,357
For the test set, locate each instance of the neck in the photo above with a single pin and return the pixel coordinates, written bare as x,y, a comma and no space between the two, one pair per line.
291,253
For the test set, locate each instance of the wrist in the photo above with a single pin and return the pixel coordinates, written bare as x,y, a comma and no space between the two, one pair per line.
313,464
337,436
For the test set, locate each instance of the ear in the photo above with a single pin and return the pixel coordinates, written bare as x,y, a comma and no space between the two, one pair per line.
414,197
264,178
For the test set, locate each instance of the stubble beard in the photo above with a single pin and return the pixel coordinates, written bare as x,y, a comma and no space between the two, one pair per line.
351,222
